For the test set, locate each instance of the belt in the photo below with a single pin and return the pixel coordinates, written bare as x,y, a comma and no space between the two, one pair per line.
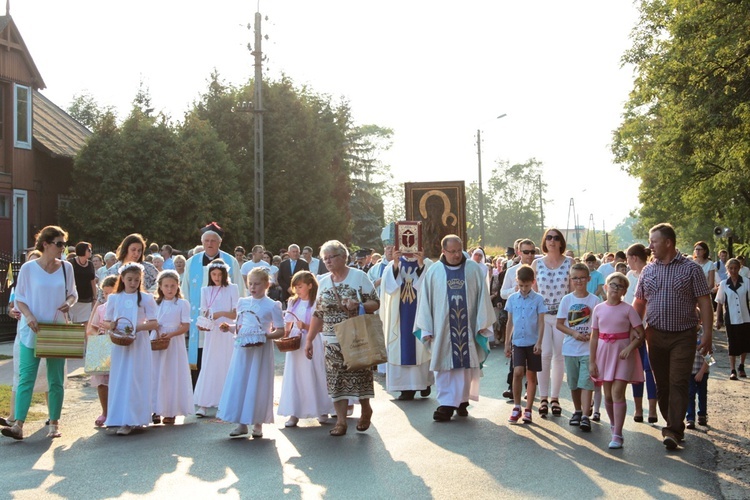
611,337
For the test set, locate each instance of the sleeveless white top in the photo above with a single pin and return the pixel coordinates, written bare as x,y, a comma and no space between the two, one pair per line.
553,283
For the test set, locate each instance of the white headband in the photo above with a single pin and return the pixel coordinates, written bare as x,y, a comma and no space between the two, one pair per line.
218,265
130,266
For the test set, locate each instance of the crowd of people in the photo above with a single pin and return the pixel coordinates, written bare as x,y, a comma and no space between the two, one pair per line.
640,317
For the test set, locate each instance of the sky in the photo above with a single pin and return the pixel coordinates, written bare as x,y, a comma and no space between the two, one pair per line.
433,71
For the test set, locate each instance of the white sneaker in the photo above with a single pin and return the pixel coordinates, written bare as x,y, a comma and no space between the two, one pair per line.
124,430
323,418
201,412
292,422
239,431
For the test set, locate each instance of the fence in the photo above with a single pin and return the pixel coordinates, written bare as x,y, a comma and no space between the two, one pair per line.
7,323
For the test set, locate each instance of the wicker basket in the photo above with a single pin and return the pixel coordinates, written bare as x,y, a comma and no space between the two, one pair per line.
287,344
160,344
122,336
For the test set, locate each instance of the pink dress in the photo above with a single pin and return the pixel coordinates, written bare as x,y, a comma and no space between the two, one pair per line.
614,324
96,321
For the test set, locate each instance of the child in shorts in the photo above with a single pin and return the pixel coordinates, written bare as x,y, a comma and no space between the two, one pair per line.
523,340
574,320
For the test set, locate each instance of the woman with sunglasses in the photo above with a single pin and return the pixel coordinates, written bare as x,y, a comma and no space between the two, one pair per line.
45,293
552,282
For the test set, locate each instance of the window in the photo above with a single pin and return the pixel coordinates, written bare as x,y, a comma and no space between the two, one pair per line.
4,206
22,122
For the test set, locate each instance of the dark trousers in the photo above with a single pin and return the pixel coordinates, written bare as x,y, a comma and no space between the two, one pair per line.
672,355
699,389
194,373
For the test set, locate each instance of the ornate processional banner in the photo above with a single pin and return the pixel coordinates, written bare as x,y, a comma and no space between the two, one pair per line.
441,207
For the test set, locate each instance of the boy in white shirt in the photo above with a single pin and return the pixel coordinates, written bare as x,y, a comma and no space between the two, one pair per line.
574,320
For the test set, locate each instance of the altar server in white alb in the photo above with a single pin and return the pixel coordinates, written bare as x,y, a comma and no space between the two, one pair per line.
408,367
454,317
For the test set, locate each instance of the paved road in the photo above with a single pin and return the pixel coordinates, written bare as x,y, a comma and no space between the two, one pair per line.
404,454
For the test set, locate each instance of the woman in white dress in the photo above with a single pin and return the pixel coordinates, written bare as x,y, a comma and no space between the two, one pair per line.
129,402
218,300
304,393
172,387
44,293
248,393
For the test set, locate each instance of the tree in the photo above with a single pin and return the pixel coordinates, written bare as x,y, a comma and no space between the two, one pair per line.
307,188
511,204
370,177
87,111
686,126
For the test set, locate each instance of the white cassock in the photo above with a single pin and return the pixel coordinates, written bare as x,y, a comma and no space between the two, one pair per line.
408,367
456,382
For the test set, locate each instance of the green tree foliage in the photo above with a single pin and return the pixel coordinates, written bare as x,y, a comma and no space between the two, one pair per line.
307,185
370,182
511,204
167,180
686,126
87,110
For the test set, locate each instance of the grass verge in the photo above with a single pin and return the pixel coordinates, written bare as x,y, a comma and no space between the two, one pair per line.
36,399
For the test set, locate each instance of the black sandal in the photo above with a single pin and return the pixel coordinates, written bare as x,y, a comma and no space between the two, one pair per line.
543,407
556,408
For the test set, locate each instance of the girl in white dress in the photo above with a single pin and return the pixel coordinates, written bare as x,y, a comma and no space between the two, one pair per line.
129,403
96,327
172,387
304,393
218,300
248,393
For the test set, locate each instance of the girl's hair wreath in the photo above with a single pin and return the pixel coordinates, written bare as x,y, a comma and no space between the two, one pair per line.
129,267
168,273
218,265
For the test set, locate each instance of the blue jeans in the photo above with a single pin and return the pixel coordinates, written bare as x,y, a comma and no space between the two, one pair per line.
701,389
650,384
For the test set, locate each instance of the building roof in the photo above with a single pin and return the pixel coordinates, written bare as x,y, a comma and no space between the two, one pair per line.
55,131
11,40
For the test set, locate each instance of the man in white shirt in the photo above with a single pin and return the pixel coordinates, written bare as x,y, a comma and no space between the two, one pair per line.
256,261
316,266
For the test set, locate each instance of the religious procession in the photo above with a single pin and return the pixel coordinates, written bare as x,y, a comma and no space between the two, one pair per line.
166,336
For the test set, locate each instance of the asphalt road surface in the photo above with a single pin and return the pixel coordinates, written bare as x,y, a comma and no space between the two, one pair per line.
405,454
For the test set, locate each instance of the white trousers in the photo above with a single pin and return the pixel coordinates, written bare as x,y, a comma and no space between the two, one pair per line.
553,363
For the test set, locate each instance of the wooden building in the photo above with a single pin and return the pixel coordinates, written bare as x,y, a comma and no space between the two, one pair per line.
38,142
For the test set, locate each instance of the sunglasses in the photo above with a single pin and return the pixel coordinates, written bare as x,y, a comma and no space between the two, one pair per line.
58,244
527,252
553,237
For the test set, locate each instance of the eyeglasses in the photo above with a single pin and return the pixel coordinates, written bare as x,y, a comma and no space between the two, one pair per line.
616,286
555,237
331,257
528,252
58,244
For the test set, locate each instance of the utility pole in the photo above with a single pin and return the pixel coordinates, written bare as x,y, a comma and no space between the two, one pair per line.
259,221
481,196
541,204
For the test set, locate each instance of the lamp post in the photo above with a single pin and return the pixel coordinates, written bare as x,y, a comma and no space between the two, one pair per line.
481,195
